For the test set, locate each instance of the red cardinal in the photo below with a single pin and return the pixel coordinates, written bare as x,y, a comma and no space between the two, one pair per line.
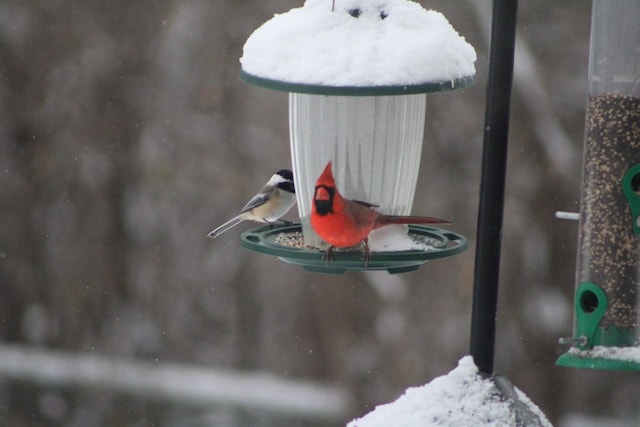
344,223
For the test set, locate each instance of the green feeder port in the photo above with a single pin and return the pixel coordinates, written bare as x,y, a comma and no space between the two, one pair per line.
596,346
283,242
631,189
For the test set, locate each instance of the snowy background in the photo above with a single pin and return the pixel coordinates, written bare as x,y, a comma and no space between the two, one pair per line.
127,136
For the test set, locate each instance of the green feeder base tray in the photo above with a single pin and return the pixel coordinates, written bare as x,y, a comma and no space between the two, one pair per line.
271,240
587,359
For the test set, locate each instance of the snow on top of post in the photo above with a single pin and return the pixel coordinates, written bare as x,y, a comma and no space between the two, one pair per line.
360,43
460,398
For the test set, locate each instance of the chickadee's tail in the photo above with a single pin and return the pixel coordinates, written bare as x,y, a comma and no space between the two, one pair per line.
227,225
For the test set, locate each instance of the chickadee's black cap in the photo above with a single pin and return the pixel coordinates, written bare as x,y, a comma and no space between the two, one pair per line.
286,174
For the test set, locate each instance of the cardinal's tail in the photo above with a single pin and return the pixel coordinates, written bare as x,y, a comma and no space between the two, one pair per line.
402,219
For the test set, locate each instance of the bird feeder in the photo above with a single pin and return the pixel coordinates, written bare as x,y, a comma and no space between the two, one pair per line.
607,297
357,73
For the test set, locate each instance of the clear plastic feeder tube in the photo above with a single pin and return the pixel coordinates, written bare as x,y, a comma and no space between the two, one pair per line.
375,143
609,239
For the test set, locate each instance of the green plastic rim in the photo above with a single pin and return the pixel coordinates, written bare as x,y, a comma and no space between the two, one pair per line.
263,240
571,360
427,87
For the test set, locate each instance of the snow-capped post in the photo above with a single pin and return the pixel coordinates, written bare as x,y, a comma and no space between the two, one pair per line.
357,73
606,331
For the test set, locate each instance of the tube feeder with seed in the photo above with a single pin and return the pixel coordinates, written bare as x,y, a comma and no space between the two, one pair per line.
607,297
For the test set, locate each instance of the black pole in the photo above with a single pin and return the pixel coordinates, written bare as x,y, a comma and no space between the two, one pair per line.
494,165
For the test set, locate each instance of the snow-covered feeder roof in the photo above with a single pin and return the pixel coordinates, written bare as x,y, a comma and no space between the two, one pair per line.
363,47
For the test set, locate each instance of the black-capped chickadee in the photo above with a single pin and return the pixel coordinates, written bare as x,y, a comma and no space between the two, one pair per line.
273,200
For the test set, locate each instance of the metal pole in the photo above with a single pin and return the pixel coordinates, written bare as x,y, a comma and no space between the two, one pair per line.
494,163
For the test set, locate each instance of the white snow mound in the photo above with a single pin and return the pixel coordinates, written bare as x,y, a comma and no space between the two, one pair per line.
360,43
462,398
